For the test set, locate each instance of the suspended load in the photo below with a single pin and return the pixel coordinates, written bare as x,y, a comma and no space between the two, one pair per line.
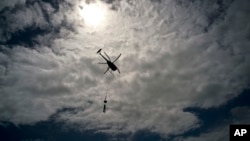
104,106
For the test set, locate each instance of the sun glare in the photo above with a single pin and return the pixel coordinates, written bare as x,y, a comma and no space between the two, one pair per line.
92,14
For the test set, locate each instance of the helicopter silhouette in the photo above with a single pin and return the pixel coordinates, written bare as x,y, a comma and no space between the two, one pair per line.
110,63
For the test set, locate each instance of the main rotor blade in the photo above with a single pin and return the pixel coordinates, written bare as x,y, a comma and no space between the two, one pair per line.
117,58
103,57
111,72
118,70
101,63
106,70
107,56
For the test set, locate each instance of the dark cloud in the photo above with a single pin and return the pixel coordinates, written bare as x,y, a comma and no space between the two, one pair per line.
26,37
109,1
44,131
28,21
159,1
54,3
219,13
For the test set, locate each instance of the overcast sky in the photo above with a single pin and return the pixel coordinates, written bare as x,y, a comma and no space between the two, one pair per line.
183,63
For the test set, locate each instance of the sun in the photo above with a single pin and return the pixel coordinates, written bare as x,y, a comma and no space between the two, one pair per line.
93,14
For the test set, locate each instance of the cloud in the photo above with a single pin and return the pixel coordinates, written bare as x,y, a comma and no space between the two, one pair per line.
47,17
174,55
239,115
20,19
220,134
10,3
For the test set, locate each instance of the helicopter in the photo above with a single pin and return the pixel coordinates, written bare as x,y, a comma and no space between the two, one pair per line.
110,63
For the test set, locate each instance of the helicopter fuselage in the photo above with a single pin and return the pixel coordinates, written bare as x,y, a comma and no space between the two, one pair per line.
111,65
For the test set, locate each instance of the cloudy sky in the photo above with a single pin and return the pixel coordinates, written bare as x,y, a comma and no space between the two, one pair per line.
184,69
